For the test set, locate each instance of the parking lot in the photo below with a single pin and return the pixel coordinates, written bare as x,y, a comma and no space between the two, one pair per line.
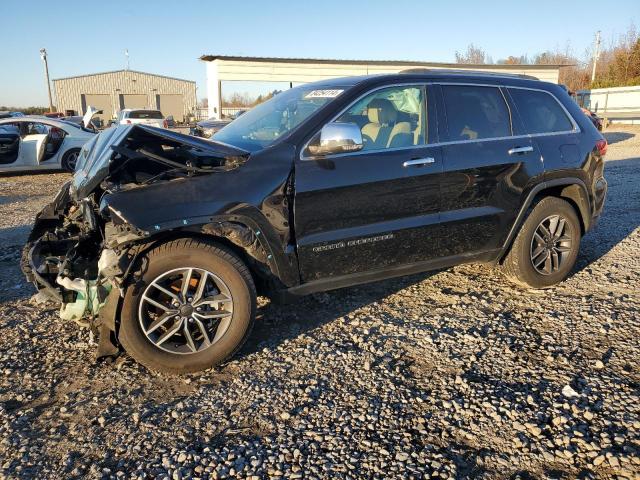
448,374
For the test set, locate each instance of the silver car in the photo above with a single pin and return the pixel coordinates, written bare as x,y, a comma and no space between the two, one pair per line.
39,143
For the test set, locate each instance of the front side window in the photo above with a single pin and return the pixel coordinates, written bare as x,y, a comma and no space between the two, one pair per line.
476,112
540,111
266,123
393,117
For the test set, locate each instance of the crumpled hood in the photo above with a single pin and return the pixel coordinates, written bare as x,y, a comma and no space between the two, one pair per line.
111,149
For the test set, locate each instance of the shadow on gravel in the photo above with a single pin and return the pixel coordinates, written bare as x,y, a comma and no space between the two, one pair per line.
616,137
13,285
621,215
6,199
278,323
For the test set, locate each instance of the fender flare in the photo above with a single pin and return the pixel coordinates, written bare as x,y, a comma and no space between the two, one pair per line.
584,210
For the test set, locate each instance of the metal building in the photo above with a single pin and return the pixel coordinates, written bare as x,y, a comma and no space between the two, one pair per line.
222,68
119,89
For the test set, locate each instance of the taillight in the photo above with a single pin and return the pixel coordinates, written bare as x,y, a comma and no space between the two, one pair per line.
602,145
129,122
165,124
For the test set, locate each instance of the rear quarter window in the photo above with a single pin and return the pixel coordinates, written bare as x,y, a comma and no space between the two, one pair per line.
540,111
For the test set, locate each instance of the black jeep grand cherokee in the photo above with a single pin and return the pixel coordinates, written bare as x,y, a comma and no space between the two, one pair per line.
161,241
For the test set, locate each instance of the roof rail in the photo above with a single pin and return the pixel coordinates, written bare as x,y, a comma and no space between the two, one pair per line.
468,72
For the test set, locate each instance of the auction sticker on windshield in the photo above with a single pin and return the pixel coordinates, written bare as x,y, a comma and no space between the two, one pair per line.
323,93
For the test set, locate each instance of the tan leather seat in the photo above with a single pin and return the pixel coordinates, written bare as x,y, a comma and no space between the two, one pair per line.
382,117
400,136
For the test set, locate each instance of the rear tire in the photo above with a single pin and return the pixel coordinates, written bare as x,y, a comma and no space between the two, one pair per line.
168,268
542,256
70,159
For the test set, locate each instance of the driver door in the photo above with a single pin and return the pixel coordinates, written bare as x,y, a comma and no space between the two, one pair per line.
376,208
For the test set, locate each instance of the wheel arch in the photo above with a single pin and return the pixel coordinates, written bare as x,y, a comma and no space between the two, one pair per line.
249,243
572,190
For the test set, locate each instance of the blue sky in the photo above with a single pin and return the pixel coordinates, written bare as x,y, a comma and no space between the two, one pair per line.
167,37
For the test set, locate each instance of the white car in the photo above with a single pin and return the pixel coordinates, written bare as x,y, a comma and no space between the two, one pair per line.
40,143
130,116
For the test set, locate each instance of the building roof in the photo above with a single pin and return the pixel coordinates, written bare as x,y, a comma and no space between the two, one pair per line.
123,70
210,58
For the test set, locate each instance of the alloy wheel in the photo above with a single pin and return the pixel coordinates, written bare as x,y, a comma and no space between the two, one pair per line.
551,244
185,310
72,160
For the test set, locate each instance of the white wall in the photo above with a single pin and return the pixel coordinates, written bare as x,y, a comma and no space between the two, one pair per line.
304,72
609,101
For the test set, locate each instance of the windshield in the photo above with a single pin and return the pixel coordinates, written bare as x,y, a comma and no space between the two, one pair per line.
264,124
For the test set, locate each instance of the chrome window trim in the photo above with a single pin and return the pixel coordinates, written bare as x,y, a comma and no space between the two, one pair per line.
576,127
368,92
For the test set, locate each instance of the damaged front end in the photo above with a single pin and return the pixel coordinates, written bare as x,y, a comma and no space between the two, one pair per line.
81,250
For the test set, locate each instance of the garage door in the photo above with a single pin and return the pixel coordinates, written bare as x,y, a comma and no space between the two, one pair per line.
133,100
170,104
101,102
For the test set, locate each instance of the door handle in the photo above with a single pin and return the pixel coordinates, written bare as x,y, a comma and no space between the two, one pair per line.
419,161
516,150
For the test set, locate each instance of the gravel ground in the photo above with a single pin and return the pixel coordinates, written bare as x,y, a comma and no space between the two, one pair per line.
450,374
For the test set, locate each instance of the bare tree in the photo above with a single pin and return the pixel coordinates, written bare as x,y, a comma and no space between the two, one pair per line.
512,60
473,56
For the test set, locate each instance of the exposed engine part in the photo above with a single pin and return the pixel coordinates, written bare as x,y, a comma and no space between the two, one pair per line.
109,263
89,299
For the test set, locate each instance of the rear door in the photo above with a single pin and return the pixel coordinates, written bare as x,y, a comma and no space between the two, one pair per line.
553,129
376,208
488,162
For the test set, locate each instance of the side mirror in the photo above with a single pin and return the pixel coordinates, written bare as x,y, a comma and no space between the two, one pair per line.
336,138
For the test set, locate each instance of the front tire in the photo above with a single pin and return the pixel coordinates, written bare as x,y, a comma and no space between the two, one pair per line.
546,247
192,308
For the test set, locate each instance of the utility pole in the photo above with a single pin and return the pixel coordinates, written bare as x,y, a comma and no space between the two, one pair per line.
126,54
43,55
596,54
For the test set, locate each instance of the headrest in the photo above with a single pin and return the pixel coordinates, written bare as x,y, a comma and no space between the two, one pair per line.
381,111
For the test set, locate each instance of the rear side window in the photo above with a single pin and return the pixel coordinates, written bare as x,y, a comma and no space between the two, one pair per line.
475,112
154,114
540,111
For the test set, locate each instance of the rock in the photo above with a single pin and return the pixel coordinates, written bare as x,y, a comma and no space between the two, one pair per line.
569,392
402,457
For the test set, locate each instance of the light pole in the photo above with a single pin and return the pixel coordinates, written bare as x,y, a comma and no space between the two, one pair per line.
596,54
43,55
